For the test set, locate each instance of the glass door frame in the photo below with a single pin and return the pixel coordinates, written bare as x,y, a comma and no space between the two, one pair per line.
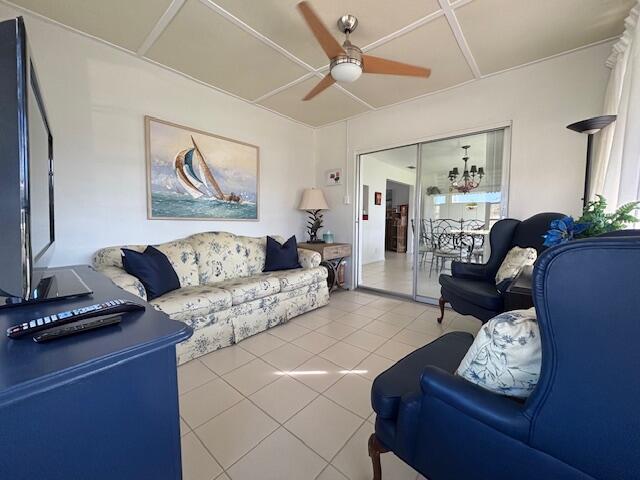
357,257
417,207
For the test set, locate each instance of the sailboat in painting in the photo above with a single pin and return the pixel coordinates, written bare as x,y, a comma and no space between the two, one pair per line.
196,177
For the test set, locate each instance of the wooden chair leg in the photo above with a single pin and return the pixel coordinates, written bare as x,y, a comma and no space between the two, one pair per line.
375,449
441,303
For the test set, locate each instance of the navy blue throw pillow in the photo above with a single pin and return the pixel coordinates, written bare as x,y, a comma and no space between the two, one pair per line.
281,257
153,269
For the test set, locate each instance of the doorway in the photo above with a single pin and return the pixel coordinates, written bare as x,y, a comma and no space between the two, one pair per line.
387,199
426,205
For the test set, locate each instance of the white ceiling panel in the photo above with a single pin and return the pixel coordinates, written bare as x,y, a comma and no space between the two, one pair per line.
281,22
330,106
433,46
206,46
507,33
125,23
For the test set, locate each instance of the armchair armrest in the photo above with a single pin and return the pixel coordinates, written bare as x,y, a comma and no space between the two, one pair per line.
498,412
122,279
309,258
470,271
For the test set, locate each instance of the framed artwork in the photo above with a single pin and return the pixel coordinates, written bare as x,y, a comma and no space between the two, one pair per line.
334,177
377,198
195,175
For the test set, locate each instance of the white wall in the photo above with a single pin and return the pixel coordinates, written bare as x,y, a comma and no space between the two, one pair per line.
547,160
375,174
97,96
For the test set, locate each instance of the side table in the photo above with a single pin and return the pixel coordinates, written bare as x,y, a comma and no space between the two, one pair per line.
333,254
519,294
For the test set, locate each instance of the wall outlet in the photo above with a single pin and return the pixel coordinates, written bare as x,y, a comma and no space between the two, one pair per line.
346,199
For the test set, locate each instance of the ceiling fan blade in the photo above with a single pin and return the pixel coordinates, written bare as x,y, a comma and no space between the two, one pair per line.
329,44
373,64
323,84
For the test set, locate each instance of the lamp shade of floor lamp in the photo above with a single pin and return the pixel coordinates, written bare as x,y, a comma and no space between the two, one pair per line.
590,126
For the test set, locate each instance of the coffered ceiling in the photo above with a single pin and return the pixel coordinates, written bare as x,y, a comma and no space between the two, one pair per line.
261,50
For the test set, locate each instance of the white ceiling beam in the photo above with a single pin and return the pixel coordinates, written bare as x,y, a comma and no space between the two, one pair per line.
160,26
256,34
284,87
404,30
459,36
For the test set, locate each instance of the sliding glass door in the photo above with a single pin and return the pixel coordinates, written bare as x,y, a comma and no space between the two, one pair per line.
387,203
461,196
423,206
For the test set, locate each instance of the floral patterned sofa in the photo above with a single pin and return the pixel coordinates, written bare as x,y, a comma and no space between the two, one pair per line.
223,294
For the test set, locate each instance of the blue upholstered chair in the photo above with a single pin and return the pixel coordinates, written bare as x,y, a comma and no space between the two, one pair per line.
471,287
582,422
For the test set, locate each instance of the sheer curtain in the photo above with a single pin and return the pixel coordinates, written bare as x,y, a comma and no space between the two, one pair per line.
617,166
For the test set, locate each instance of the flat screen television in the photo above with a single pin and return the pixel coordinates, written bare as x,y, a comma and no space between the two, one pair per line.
27,220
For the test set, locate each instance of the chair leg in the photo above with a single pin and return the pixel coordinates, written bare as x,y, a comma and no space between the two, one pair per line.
375,449
441,303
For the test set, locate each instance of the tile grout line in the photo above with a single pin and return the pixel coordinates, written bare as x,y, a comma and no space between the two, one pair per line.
317,394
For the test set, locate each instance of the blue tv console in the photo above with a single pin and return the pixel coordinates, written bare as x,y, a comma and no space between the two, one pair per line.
99,405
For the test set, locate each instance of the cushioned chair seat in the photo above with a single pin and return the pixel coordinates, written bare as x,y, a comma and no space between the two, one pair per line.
251,288
404,377
299,277
483,294
188,302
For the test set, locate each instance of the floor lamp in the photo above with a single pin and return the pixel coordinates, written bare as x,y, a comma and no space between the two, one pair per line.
590,126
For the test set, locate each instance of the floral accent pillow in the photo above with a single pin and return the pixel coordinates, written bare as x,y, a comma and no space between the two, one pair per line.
505,356
516,260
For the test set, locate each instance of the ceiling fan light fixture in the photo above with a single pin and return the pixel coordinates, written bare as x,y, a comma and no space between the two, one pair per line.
346,70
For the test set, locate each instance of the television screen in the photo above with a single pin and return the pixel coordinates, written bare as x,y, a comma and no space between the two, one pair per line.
40,173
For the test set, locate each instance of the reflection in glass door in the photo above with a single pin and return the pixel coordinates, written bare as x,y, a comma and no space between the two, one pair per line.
460,199
387,202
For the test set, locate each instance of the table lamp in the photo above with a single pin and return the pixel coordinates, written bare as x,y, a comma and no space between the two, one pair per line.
313,202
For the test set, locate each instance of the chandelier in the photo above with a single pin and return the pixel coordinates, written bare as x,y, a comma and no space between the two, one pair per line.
470,179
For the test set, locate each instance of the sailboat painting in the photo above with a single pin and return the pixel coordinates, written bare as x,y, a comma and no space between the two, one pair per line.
194,175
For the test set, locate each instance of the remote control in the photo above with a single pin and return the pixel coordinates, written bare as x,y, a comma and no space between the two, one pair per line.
77,327
62,318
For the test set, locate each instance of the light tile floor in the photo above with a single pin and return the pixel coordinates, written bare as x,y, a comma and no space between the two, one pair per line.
294,402
395,274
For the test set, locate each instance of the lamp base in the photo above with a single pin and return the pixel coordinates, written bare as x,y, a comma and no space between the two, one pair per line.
316,241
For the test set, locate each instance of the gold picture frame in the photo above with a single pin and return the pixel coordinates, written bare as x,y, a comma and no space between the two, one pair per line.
197,175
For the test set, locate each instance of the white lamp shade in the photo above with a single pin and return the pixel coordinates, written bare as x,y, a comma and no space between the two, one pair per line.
313,199
346,72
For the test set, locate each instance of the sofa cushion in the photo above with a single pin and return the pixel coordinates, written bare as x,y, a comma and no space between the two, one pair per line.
403,378
506,355
250,288
182,257
256,252
483,294
180,253
220,256
296,278
281,256
153,269
188,302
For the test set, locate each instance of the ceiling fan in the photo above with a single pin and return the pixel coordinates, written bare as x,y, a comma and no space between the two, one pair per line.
347,61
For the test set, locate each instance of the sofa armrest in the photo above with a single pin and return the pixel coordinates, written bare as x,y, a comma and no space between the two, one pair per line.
470,271
496,411
127,282
309,258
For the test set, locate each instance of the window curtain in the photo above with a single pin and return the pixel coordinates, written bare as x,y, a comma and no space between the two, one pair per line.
616,170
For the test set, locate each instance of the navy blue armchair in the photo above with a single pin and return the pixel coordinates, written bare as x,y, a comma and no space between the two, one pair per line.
471,287
582,420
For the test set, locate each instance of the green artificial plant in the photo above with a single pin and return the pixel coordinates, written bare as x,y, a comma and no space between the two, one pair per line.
598,221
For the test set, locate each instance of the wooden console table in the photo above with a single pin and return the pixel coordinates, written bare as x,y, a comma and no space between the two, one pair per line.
333,254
